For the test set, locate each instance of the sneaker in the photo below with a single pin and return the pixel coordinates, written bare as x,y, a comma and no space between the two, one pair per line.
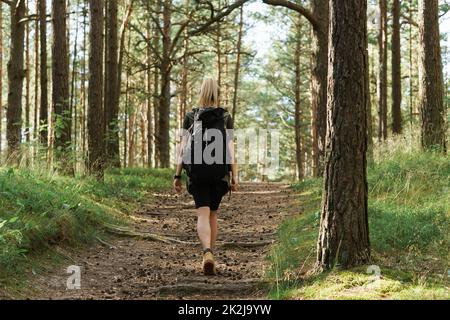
209,268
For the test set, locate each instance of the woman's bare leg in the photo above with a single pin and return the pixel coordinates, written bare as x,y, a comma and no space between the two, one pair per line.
213,226
203,227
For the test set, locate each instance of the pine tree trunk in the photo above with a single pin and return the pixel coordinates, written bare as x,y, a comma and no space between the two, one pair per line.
27,84
73,96
95,94
84,103
60,88
298,137
111,85
320,10
368,108
238,63
410,75
1,77
156,101
149,99
344,234
36,79
382,76
143,129
43,110
396,70
16,74
164,102
127,128
431,83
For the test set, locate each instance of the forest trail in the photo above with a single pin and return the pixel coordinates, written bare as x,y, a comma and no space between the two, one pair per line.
134,268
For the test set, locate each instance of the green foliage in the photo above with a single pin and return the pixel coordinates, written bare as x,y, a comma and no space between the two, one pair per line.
409,220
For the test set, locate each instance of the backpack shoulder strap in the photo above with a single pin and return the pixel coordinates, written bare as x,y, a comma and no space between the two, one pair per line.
191,117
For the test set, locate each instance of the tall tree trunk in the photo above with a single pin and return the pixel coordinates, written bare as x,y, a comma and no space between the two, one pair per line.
36,79
431,83
27,84
83,116
111,92
298,83
344,232
143,129
95,94
1,76
149,100
123,30
226,85
382,76
15,80
43,110
320,10
410,75
164,102
368,107
149,107
127,128
73,96
237,68
156,102
218,46
131,138
60,88
156,93
396,70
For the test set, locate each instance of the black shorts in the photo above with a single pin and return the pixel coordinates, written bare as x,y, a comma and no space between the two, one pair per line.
208,195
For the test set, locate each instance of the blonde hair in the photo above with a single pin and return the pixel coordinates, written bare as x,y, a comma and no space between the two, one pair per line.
209,94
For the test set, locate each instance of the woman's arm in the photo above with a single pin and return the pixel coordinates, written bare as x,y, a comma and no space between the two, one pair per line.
234,167
179,167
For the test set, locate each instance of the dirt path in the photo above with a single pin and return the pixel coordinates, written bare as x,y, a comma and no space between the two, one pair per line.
143,269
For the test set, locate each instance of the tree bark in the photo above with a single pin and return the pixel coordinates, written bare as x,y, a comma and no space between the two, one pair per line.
60,88
95,91
43,110
83,84
238,63
36,79
382,76
320,10
368,108
164,102
344,234
73,96
218,46
156,94
1,76
16,74
396,70
149,100
27,84
298,115
431,83
111,93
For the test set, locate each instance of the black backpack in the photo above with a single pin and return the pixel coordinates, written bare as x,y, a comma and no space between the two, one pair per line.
200,171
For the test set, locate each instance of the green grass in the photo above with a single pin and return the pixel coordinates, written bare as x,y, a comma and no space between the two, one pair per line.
409,221
39,212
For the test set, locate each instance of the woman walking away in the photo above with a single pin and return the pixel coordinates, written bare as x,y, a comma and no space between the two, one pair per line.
207,155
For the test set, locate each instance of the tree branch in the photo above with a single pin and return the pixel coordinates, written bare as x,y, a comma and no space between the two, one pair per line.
9,3
218,17
409,21
296,7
